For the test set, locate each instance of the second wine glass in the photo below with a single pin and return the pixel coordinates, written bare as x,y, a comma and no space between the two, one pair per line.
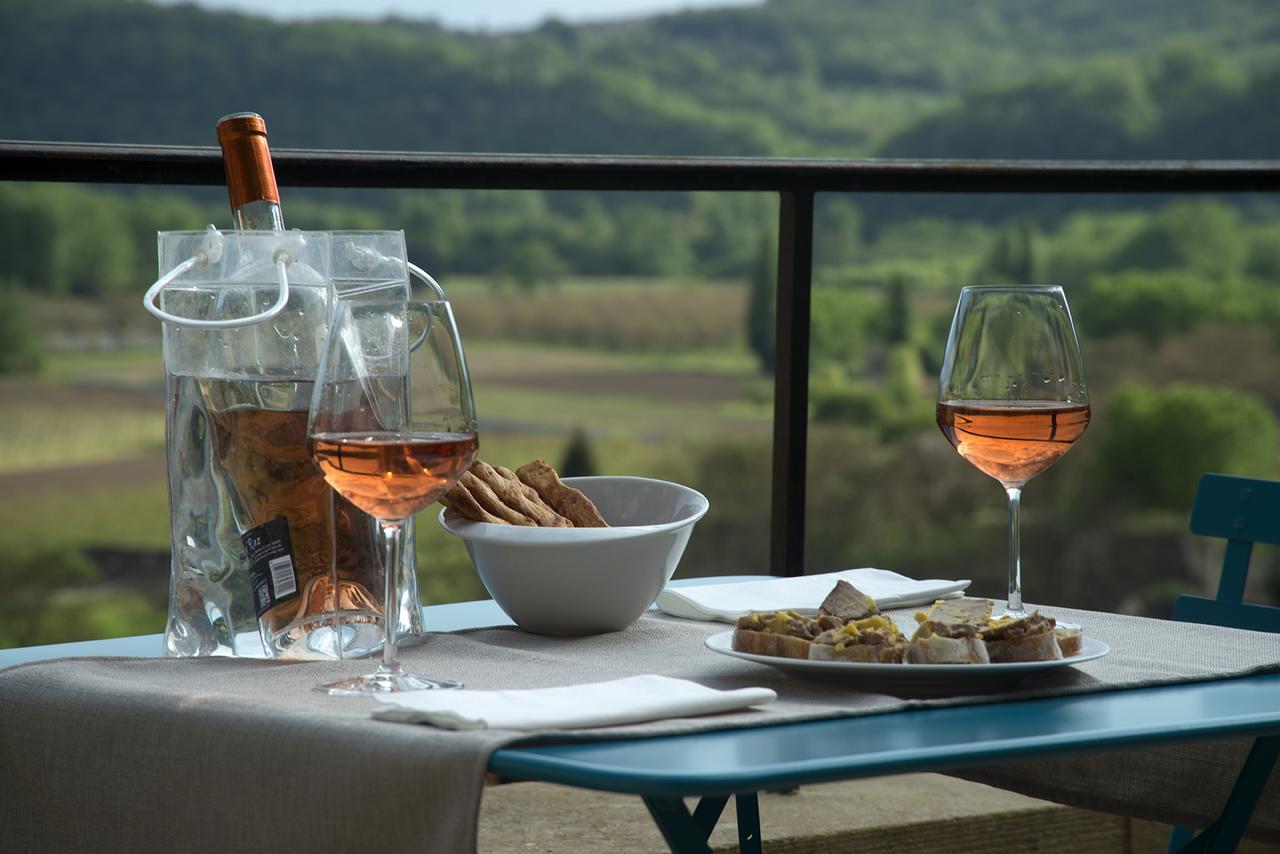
392,428
1012,397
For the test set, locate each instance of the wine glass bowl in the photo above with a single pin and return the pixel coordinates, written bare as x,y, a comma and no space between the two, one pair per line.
1012,395
390,477
392,428
1012,441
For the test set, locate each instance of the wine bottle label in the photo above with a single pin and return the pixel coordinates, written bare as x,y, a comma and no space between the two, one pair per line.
269,554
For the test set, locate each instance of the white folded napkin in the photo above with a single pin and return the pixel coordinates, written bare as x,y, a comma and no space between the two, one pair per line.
728,602
599,704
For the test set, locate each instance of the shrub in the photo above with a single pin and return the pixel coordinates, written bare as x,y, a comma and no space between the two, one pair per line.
1152,304
1156,442
20,348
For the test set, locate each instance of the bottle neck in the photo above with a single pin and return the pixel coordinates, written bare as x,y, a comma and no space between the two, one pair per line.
251,181
258,215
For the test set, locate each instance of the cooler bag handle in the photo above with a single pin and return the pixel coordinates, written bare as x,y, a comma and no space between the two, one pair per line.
415,270
365,258
210,252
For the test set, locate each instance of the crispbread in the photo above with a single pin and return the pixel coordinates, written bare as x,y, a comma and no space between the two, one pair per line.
500,496
518,497
465,505
564,499
487,499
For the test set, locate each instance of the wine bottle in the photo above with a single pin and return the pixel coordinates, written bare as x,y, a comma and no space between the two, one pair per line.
251,180
310,556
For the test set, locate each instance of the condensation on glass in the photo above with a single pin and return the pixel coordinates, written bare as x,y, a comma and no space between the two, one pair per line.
236,436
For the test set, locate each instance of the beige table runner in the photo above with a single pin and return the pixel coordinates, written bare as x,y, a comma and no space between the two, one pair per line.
214,755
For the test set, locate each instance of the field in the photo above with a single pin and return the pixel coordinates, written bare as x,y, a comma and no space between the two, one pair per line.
82,469
84,508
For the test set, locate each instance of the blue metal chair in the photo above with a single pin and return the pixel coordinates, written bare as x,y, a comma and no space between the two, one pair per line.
1244,511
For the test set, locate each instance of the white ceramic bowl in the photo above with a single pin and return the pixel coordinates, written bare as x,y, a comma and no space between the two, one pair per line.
581,581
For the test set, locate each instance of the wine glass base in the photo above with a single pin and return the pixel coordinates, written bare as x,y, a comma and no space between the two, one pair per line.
386,683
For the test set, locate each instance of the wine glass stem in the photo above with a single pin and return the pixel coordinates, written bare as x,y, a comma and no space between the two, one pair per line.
1015,551
392,539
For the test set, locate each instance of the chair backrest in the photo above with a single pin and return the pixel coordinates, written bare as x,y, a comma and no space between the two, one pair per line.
1244,511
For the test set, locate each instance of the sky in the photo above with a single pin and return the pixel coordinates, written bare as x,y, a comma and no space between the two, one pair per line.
466,14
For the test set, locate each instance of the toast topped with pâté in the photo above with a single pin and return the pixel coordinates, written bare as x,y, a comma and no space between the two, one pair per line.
950,632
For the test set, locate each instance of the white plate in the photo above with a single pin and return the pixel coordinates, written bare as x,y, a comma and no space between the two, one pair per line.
942,678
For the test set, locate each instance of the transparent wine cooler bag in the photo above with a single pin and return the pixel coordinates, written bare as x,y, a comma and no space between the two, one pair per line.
267,560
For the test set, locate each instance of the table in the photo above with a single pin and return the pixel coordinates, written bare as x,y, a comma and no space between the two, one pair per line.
739,763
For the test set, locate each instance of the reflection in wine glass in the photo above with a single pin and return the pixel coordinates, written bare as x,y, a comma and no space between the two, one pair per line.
1012,396
392,428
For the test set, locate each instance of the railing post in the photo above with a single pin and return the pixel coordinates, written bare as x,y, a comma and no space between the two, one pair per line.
791,382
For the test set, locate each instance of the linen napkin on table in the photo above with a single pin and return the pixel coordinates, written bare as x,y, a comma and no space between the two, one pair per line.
598,704
728,602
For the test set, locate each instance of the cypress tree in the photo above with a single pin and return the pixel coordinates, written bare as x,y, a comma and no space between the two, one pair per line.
898,311
579,457
1017,256
760,308
20,351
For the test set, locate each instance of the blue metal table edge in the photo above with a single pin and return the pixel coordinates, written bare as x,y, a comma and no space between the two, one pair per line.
658,766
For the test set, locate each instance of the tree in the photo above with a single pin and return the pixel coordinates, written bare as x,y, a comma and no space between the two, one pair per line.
898,311
1202,236
651,242
761,336
30,232
1016,256
1156,442
844,319
19,341
1152,304
531,263
579,457
838,231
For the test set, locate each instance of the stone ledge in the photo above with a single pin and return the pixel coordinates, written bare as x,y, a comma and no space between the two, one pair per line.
865,816
890,814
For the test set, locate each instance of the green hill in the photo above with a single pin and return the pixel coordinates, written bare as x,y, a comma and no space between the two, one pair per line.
901,78
792,77
1184,101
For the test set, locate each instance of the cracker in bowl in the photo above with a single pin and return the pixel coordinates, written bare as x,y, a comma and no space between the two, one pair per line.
534,496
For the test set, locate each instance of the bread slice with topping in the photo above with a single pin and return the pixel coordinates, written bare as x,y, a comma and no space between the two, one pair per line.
1070,640
784,634
874,639
955,618
1029,638
950,633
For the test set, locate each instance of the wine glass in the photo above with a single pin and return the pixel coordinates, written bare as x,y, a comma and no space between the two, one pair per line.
1012,396
392,427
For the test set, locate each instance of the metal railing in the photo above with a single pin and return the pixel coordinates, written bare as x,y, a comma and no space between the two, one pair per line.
796,181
